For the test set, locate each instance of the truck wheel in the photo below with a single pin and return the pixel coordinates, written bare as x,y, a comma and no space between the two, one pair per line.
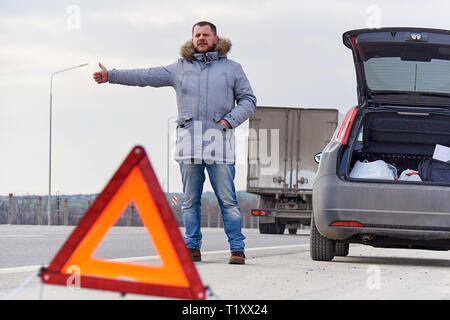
264,228
279,227
265,203
321,248
292,230
342,249
271,228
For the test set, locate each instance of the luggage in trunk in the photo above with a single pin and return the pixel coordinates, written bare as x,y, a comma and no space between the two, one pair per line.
402,139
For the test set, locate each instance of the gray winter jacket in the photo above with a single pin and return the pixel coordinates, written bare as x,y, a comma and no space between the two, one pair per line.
209,87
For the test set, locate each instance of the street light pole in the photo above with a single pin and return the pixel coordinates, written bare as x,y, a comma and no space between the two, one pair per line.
50,140
168,150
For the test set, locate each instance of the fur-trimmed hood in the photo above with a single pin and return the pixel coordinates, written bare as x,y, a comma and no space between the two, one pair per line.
223,46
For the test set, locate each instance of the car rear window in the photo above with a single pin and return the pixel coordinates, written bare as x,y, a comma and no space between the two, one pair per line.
394,74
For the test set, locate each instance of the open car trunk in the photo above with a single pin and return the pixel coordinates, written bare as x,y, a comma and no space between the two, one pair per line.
401,137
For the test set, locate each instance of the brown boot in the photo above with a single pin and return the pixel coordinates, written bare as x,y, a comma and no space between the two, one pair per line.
237,257
195,254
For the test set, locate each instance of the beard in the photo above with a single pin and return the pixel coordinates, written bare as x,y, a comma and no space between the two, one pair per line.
203,46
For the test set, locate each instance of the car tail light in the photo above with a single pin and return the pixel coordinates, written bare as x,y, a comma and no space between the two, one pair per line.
353,40
343,131
256,212
346,224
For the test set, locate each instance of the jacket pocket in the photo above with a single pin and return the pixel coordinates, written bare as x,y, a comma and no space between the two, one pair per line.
227,133
217,117
227,91
224,94
185,137
189,90
184,121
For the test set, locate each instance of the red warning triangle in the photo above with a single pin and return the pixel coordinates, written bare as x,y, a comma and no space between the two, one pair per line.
134,181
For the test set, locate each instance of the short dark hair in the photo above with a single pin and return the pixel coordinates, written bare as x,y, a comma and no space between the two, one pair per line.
205,23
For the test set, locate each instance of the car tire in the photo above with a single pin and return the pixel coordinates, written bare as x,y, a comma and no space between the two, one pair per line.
321,248
292,230
341,249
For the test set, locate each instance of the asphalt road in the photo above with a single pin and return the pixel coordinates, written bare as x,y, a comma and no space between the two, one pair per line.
278,267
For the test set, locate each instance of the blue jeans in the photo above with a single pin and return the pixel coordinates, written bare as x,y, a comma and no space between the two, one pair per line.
221,177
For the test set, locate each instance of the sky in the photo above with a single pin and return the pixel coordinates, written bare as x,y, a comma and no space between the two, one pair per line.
291,51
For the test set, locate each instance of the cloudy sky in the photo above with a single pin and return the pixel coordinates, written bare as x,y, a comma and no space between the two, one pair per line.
291,51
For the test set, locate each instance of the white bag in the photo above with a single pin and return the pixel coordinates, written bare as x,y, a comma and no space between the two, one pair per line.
373,170
410,175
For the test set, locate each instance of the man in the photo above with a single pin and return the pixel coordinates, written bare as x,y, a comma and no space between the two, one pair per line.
214,96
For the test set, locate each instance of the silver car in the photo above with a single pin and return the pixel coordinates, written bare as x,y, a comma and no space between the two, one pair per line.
403,114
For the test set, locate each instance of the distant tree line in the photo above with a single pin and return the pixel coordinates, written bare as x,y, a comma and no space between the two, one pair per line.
69,209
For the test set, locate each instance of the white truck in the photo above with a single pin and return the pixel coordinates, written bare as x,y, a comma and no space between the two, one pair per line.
281,166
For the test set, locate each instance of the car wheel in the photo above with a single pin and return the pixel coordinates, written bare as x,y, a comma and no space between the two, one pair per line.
342,249
321,248
292,230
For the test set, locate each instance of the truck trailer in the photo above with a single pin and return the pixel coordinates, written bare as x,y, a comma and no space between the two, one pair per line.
282,144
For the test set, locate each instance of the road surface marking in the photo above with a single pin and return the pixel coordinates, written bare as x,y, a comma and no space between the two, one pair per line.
19,269
134,259
20,235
